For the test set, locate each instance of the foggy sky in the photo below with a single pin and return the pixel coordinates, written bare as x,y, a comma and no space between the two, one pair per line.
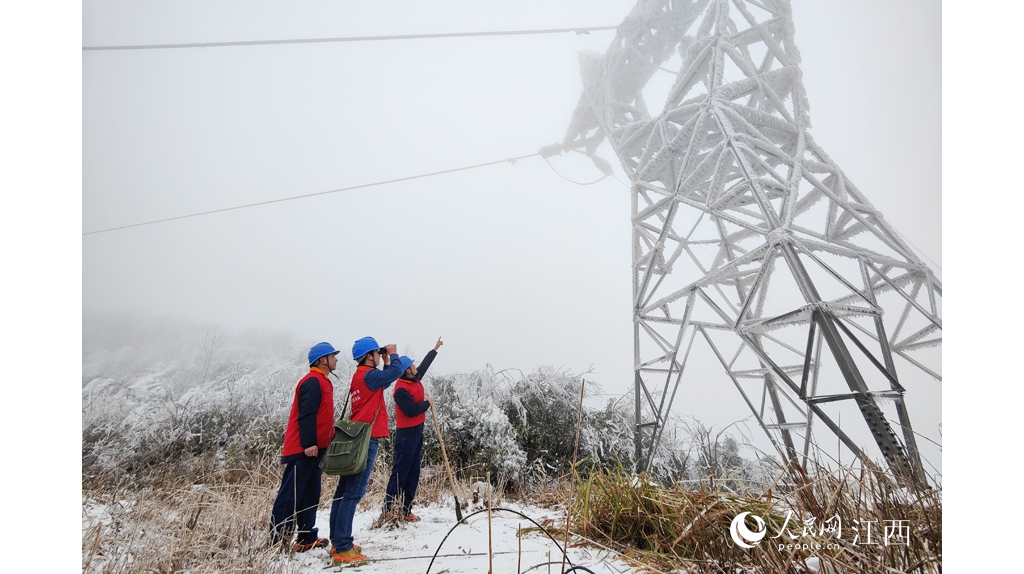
54,122
512,264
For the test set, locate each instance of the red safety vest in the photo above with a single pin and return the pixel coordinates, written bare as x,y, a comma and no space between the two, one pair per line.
366,402
414,388
324,416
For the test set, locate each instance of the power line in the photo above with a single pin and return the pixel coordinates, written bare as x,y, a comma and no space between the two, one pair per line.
509,160
919,250
598,180
578,31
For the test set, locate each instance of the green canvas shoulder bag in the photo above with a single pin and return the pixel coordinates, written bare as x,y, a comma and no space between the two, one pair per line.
350,447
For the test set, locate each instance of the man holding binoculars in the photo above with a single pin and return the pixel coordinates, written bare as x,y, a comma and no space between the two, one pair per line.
367,397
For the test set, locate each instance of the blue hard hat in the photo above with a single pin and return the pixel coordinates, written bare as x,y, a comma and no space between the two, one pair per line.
406,362
363,346
321,350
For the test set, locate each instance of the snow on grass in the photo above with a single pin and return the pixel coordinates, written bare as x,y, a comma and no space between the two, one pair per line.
410,547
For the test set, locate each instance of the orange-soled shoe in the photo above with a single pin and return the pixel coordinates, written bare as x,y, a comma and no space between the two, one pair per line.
318,543
347,556
412,518
334,551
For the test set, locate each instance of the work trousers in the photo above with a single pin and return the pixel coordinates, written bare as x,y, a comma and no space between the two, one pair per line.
405,472
350,491
294,509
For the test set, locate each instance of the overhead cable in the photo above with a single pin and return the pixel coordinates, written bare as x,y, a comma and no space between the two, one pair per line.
600,163
578,31
598,180
365,185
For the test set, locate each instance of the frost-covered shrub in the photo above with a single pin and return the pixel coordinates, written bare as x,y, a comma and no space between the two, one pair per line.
155,392
477,433
543,409
717,455
523,430
608,435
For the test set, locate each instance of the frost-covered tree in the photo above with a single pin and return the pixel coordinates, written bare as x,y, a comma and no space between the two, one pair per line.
543,408
477,433
718,458
156,391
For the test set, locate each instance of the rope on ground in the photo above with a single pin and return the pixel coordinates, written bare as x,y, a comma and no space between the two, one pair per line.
451,555
573,569
495,509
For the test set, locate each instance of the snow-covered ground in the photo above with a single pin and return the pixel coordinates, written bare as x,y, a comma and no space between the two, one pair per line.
409,548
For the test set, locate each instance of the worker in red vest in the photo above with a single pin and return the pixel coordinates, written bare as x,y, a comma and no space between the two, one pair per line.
410,412
367,397
306,437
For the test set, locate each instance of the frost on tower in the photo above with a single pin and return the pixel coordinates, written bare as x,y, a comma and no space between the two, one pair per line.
748,238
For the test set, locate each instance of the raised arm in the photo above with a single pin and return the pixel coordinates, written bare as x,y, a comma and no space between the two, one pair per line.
376,380
421,370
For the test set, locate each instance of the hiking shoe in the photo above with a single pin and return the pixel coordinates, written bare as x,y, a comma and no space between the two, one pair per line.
347,556
334,550
412,518
318,543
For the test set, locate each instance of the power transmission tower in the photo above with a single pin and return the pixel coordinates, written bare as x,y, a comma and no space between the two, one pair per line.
747,237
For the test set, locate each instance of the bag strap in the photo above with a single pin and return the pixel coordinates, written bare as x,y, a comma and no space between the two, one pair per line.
349,395
345,408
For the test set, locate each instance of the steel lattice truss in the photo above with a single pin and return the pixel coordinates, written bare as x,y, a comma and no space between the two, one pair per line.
747,236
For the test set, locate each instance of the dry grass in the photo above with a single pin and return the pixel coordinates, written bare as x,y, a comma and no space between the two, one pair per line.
433,487
188,517
675,529
194,516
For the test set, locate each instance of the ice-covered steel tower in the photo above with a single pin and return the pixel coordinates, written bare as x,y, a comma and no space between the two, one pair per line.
748,238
